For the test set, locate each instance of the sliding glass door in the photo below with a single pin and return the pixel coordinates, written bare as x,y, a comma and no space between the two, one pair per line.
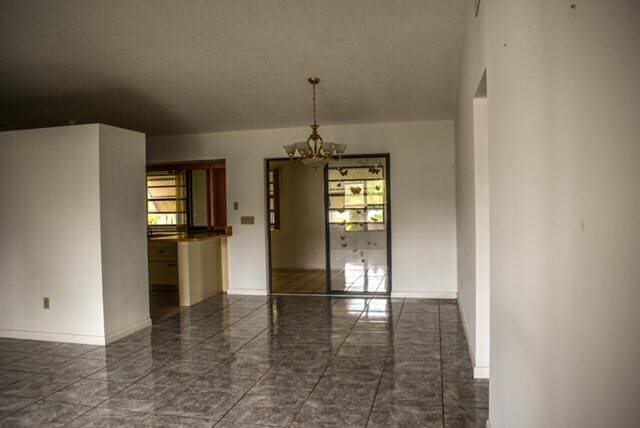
357,225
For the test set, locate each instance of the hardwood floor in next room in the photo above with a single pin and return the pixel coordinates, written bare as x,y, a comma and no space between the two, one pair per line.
233,361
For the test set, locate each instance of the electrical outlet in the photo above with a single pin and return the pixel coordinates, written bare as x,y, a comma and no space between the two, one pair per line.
45,302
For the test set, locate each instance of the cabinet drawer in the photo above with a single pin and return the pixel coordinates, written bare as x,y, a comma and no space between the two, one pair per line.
159,254
163,273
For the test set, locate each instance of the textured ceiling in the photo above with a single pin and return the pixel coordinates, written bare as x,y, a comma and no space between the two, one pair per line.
174,66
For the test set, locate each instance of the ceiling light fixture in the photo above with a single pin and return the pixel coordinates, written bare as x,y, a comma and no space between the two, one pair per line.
314,150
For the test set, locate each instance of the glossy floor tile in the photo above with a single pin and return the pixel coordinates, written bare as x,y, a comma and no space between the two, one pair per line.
298,281
234,361
163,302
351,276
359,271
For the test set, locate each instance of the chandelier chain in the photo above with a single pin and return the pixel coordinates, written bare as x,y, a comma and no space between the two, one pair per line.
315,149
314,104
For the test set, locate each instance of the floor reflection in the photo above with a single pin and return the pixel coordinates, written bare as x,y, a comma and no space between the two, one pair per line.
359,271
163,302
256,361
352,277
298,281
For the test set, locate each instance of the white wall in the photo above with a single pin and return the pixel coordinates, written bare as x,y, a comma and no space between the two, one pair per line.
123,195
422,193
565,232
299,244
481,348
472,182
72,228
50,234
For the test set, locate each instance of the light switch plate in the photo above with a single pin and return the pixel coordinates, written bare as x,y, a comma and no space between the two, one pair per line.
247,220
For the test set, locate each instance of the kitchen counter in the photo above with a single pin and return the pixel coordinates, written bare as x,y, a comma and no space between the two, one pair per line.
201,259
191,236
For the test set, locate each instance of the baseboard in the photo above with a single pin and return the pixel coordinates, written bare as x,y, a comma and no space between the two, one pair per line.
427,295
480,372
48,336
112,337
246,292
465,328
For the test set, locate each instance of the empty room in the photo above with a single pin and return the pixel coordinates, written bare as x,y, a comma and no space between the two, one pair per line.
340,213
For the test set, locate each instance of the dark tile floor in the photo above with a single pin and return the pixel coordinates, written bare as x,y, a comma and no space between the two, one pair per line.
232,361
298,281
163,302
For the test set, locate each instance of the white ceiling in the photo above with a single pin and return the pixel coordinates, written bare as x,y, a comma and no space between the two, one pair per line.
175,66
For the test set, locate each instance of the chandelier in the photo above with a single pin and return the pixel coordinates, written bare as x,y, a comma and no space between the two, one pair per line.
314,149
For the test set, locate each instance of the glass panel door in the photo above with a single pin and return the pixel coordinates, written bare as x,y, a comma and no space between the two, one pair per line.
357,225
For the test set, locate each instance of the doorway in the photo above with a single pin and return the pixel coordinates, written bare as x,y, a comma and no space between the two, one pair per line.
186,203
328,228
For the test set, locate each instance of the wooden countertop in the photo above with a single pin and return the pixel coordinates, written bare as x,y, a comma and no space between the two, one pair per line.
192,236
